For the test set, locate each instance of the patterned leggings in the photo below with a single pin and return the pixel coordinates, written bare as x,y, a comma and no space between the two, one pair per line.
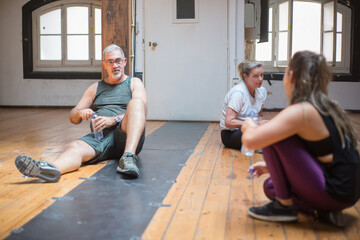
296,174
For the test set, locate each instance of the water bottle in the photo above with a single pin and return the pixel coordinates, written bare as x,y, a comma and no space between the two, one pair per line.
245,150
98,134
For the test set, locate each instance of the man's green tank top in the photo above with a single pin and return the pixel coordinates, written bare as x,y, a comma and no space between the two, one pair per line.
112,99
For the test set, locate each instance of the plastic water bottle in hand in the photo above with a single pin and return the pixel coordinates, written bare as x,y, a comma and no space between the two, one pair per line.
245,150
98,134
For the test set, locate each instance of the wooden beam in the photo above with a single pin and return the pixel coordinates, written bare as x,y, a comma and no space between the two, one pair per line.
116,28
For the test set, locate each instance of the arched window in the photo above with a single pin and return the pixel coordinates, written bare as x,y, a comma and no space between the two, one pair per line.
65,40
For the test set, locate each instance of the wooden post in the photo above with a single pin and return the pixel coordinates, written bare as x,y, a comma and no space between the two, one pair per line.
117,27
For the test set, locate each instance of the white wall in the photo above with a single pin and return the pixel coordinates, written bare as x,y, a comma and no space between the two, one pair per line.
14,89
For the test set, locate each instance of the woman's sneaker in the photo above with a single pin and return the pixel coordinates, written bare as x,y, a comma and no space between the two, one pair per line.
274,211
128,165
39,169
336,218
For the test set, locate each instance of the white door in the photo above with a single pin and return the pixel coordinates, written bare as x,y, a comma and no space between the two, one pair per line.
185,60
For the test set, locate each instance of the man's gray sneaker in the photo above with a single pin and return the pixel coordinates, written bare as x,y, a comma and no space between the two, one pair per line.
39,169
128,165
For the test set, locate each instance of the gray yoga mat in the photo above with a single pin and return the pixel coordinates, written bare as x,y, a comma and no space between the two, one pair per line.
109,206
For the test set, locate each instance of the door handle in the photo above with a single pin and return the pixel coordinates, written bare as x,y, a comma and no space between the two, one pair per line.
152,44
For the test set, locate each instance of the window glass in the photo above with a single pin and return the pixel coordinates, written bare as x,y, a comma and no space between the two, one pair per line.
98,34
98,52
77,20
283,16
328,39
50,47
329,16
282,53
50,35
306,31
282,49
263,50
328,46
270,19
339,19
338,46
97,21
339,35
50,23
77,25
185,9
77,47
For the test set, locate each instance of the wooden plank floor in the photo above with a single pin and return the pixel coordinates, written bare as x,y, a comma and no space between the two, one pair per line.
213,192
208,201
41,134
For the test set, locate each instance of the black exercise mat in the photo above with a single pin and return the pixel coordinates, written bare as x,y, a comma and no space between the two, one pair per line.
109,206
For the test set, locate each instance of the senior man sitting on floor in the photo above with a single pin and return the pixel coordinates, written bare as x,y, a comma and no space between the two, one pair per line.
121,104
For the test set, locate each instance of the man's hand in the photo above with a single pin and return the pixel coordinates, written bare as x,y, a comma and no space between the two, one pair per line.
86,114
104,122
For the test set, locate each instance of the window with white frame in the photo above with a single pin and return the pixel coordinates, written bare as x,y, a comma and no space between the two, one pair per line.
185,11
296,25
67,36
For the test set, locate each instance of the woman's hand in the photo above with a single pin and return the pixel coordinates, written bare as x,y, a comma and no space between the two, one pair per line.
258,169
248,123
263,121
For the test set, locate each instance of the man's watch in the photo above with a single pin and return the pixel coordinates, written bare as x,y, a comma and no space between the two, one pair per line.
118,119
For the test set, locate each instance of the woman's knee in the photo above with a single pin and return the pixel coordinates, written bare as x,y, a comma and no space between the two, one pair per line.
269,189
293,142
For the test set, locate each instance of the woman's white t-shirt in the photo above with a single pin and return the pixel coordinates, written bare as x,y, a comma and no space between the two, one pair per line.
240,100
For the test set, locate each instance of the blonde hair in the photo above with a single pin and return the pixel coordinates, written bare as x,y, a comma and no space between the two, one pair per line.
246,67
312,77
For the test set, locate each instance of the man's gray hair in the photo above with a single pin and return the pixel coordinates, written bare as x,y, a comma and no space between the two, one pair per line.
112,48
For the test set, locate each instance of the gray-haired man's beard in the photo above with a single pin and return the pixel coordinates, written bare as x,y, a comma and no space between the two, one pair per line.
116,75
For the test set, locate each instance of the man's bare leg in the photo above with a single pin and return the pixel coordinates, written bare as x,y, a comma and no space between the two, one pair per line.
70,160
76,153
133,124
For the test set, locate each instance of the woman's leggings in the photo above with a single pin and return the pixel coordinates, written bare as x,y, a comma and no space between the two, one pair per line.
231,139
296,174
